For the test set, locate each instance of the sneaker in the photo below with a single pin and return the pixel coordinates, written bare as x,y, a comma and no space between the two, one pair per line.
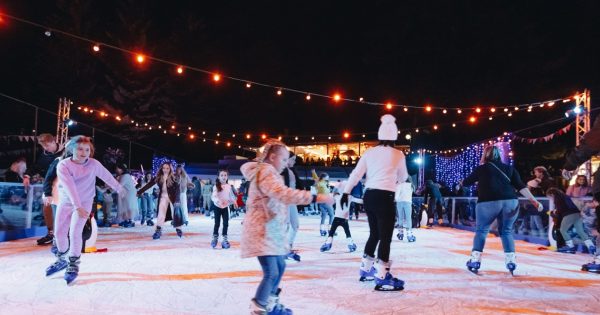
46,240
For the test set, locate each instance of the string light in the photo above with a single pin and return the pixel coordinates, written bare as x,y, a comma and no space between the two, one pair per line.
459,111
405,109
308,97
279,92
216,77
506,109
472,119
453,125
180,70
96,48
493,110
360,99
435,127
478,110
140,58
192,136
346,135
337,97
263,136
248,136
445,111
388,106
248,85
428,108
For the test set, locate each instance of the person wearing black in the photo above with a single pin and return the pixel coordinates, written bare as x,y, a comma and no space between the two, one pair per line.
46,159
496,200
292,180
570,216
432,192
356,204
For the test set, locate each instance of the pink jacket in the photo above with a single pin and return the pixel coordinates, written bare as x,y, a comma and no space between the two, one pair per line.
266,225
77,182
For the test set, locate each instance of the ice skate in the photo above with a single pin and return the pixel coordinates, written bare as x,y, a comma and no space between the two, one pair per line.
214,241
400,235
568,248
590,246
179,233
149,223
474,262
276,308
60,264
351,246
384,281
367,270
510,261
327,245
293,255
225,243
157,233
72,270
593,266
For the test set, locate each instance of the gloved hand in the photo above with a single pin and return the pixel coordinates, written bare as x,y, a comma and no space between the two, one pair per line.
567,174
344,201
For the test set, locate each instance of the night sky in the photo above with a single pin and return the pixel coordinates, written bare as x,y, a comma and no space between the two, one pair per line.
454,54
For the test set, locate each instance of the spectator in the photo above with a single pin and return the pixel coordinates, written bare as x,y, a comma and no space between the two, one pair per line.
580,188
16,172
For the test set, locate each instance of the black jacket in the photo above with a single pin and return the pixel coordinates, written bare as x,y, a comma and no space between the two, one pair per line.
496,181
50,177
286,178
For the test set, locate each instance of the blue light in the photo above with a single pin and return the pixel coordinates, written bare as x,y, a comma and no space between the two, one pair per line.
577,110
70,122
418,161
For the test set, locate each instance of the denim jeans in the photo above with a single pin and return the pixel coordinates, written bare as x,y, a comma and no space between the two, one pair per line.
273,268
506,211
404,214
147,207
326,210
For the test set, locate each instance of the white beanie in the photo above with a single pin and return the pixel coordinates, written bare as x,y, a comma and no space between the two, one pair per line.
388,129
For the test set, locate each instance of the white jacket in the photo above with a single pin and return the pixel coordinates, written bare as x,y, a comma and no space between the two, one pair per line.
404,192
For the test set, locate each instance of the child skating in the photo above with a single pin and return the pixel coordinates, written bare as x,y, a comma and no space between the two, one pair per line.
403,199
265,228
223,196
342,214
77,179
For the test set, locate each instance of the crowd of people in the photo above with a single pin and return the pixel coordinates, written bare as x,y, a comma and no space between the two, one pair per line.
273,195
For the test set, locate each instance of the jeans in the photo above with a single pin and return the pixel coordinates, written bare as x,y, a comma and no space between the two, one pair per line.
404,213
573,220
221,212
506,211
325,211
437,203
381,213
147,207
273,268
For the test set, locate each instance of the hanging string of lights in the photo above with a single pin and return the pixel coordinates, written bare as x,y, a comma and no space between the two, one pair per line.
337,97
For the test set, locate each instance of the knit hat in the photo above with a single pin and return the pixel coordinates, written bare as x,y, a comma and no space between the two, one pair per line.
388,129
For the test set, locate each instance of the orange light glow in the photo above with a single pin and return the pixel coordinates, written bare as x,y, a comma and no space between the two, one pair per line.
337,97
472,119
346,135
248,136
428,108
216,77
478,110
140,58
192,136
279,92
96,48
406,109
308,97
248,85
263,136
493,110
435,127
459,111
388,105
180,70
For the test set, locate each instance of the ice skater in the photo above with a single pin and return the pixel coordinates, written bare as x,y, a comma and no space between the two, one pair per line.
127,204
265,229
223,196
342,214
169,203
77,179
292,180
322,186
384,166
184,184
403,199
496,200
570,217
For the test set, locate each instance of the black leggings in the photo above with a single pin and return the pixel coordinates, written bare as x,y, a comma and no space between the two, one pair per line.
339,222
355,208
381,213
218,213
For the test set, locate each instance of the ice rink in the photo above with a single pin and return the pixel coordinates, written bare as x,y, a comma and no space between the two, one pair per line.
139,275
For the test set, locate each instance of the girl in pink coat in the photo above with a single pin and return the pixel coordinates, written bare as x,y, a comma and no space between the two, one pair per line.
265,229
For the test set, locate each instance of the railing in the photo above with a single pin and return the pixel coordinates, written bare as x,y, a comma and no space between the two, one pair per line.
20,207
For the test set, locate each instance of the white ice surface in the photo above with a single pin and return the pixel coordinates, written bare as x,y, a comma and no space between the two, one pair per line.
139,275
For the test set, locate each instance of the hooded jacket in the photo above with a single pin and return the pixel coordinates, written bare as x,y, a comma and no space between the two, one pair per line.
265,226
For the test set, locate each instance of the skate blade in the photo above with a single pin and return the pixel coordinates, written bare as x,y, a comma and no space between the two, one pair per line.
388,288
474,271
365,279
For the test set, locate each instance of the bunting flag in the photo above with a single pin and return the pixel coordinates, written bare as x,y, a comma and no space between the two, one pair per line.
18,137
546,138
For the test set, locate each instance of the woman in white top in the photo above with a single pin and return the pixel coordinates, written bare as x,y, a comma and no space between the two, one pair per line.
403,198
384,167
184,184
127,204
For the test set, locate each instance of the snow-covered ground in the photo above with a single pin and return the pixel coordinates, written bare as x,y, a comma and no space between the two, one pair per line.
139,275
